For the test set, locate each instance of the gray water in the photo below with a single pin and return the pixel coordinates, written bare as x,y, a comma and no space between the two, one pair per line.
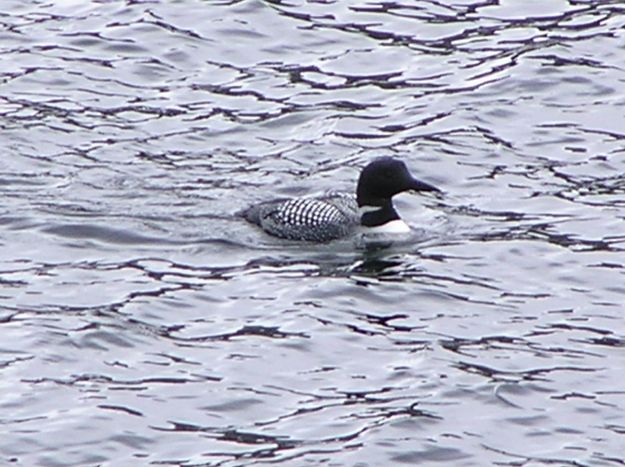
142,322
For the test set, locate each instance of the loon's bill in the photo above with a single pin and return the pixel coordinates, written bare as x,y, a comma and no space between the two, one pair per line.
337,215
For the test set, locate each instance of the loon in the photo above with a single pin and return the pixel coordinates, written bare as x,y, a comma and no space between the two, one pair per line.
336,215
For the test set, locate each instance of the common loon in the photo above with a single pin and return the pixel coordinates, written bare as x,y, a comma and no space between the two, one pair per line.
337,214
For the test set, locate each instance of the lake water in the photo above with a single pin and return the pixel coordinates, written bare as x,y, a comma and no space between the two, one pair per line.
143,322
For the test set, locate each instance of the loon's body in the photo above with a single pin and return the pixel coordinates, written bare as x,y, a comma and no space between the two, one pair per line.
336,214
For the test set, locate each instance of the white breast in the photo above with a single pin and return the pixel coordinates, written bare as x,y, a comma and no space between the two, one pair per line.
392,227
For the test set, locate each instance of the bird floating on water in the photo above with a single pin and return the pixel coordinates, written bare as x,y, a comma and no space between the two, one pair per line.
338,214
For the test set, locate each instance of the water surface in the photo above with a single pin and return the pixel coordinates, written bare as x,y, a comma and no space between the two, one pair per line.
144,323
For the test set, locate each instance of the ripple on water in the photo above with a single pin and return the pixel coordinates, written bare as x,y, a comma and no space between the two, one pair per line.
144,321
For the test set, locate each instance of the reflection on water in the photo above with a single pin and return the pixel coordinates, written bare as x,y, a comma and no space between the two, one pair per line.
144,322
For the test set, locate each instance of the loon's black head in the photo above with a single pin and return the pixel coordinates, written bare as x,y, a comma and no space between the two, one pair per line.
384,178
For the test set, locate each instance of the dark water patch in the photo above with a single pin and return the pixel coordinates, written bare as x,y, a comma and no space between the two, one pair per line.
505,375
78,380
433,454
108,235
246,331
121,409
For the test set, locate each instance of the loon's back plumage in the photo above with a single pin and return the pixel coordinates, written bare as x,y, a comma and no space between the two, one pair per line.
321,219
336,214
